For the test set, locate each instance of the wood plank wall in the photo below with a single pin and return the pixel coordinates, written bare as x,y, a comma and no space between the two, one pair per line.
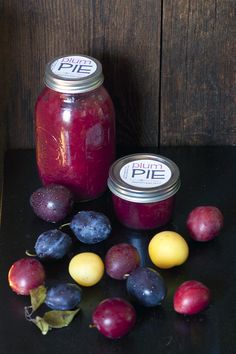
169,65
198,97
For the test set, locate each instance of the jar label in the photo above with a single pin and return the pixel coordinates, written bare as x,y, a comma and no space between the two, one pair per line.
145,173
74,67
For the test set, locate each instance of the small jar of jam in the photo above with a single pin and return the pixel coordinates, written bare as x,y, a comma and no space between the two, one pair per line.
143,190
75,127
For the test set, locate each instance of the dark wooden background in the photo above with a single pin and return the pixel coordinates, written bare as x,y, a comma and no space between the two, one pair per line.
169,65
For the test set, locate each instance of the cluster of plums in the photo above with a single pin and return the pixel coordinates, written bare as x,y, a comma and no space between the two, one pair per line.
113,317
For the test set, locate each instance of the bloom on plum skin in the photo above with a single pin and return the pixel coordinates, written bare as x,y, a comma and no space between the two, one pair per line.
90,226
63,296
52,244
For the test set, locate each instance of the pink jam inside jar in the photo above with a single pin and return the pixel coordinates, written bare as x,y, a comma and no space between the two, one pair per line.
75,127
144,188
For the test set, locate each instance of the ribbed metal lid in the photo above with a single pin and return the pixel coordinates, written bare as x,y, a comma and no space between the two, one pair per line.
144,178
73,74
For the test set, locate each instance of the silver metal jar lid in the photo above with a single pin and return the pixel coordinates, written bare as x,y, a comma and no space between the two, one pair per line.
73,74
144,178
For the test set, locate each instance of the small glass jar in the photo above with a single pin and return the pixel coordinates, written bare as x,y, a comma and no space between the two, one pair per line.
143,190
75,127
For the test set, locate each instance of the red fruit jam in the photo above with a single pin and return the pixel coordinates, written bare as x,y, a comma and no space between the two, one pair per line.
75,127
143,190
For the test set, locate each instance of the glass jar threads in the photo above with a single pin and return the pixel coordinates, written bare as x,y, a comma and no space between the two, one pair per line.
143,190
75,127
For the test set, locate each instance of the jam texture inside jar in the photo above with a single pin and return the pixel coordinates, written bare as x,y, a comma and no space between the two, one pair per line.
143,190
75,127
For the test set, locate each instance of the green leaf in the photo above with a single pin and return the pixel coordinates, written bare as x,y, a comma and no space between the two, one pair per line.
37,297
51,319
41,324
59,319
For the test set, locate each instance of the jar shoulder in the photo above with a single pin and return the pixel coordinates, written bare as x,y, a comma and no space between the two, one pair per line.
85,108
48,95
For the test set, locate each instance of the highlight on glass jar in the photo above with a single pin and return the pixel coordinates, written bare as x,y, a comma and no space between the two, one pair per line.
75,127
144,188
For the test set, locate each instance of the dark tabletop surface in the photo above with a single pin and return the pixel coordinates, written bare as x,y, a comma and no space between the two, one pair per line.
208,177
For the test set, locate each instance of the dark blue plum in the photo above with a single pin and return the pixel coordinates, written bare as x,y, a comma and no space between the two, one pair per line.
146,286
52,244
90,226
63,296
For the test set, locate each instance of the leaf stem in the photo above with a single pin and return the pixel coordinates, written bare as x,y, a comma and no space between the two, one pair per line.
126,276
28,253
63,225
92,325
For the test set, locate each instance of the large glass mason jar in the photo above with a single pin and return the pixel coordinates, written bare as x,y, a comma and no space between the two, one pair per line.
75,127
